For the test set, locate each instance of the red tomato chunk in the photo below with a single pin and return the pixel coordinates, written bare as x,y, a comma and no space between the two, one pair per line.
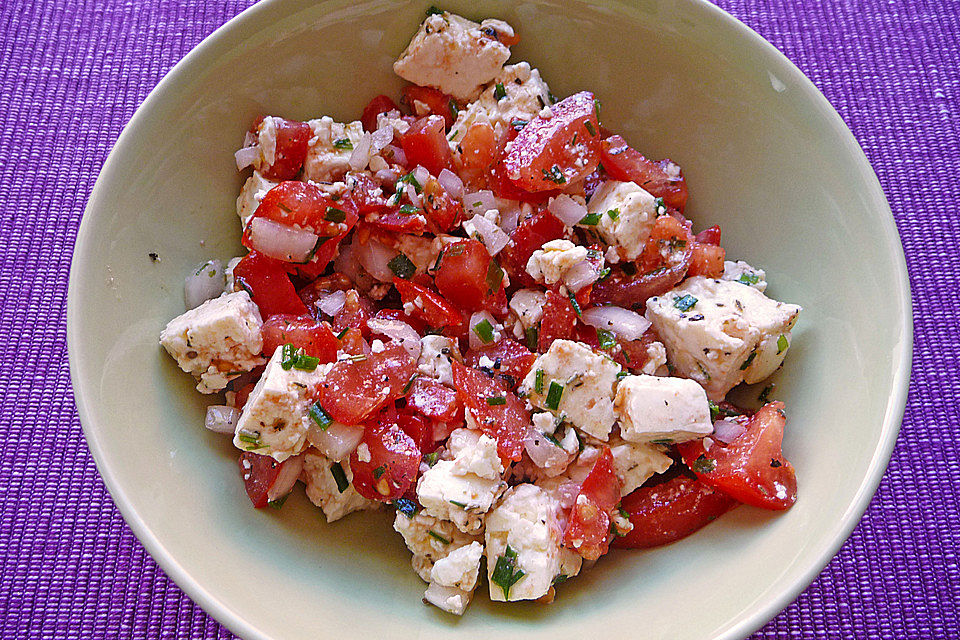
303,332
355,389
588,529
393,461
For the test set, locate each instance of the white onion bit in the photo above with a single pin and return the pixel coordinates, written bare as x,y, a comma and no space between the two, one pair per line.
381,138
479,202
395,155
221,418
542,452
286,478
726,430
580,275
509,215
332,303
360,157
203,284
281,241
337,441
375,258
399,331
451,183
567,210
246,157
493,236
627,324
421,174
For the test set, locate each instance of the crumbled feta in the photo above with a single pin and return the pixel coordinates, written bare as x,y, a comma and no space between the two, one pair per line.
452,54
430,539
720,332
436,356
251,194
450,599
325,161
656,358
636,462
528,305
586,381
545,422
548,263
322,490
742,272
216,341
460,568
393,120
629,228
525,520
662,409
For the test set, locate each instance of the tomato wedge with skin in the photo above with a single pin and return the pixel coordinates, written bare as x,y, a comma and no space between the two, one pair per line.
511,361
552,152
443,213
427,305
752,468
425,143
667,512
303,332
355,389
588,529
292,144
706,260
301,203
506,423
464,276
625,163
393,461
269,285
434,400
559,321
259,473
530,235
379,104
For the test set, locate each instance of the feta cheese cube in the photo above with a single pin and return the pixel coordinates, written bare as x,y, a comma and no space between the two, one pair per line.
430,540
326,160
636,462
525,522
629,228
584,381
548,263
436,356
450,599
528,305
662,409
322,489
275,419
721,333
216,341
460,568
251,194
452,54
743,273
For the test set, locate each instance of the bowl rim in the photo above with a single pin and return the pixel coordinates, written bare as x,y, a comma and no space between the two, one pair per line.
180,74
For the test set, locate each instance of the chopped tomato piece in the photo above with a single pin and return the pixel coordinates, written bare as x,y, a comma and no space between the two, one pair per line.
304,204
478,148
667,512
752,468
427,305
303,332
434,400
351,341
355,312
268,284
511,361
709,236
354,389
706,260
552,152
292,143
425,143
379,104
417,324
418,428
469,278
396,222
259,474
434,101
530,235
506,423
320,288
559,321
588,529
394,459
443,212
365,194
662,179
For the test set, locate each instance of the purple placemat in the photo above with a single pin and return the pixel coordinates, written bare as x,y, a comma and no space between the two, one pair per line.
72,72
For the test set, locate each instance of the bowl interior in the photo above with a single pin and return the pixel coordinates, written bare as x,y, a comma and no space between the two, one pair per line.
766,158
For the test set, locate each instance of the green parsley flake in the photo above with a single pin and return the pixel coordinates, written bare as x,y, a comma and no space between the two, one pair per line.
402,267
604,273
431,458
748,278
714,410
591,219
434,534
590,128
782,344
339,477
458,504
606,339
748,361
614,213
703,464
684,302
335,215
320,417
575,304
484,331
499,92
412,181
505,572
554,395
659,204
409,210
343,144
518,124
288,355
495,401
538,381
306,363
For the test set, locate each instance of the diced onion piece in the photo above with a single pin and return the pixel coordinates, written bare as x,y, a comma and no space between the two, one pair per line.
249,139
394,155
381,138
421,174
375,258
289,472
332,303
476,342
399,331
412,194
246,157
337,441
580,275
221,418
281,241
567,210
493,236
479,202
726,430
451,183
627,324
360,157
509,215
542,452
203,284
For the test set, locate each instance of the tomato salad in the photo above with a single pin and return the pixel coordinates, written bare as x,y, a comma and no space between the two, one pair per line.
483,310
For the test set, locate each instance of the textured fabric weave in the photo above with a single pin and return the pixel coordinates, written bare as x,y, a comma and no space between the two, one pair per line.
72,72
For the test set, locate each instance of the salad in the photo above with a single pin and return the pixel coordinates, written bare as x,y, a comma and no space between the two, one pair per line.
486,313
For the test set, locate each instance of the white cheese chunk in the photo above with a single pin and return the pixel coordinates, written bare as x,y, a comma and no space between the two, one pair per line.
452,54
659,409
657,357
326,161
720,332
322,489
548,263
587,380
525,521
742,272
628,229
251,194
450,599
636,462
275,419
430,539
528,305
216,341
460,568
436,356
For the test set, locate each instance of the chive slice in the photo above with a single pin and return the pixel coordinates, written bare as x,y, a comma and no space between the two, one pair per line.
278,503
590,128
748,278
552,440
343,144
412,181
288,356
455,503
406,506
782,344
748,361
614,213
532,336
591,219
554,175
335,215
538,381
339,477
496,401
484,331
432,11
604,273
505,572
606,339
437,536
319,416
306,363
684,302
409,210
343,333
553,395
575,304
402,267
499,91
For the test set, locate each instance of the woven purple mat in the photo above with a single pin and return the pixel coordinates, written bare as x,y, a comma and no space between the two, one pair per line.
72,72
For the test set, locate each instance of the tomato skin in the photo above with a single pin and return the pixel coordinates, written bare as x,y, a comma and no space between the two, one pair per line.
379,104
443,213
394,459
623,162
559,321
425,143
268,284
530,235
301,203
542,158
258,473
417,324
396,222
292,144
437,102
506,423
478,147
354,390
752,469
706,260
667,512
434,400
462,276
588,529
512,361
433,308
303,332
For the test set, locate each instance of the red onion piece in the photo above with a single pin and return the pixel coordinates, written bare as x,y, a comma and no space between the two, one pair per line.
281,241
246,157
479,202
381,138
627,324
580,275
360,157
726,430
375,258
451,183
394,155
399,331
477,318
289,472
633,291
221,418
203,284
421,174
509,215
387,177
332,303
493,236
542,452
337,441
567,210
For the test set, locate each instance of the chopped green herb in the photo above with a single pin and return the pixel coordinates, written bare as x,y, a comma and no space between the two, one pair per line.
554,175
319,416
684,302
495,401
278,503
703,464
412,181
406,387
554,395
560,579
748,278
343,144
409,210
432,10
484,331
604,273
575,304
518,124
402,267
622,374
505,572
431,458
306,363
606,339
782,344
532,336
663,441
335,215
434,534
538,381
596,107
494,277
406,506
499,92
288,355
549,438
248,437
659,204
765,394
591,219
748,361
339,477
453,134
458,504
590,128
574,140
714,410
343,333
379,471
454,110
614,213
